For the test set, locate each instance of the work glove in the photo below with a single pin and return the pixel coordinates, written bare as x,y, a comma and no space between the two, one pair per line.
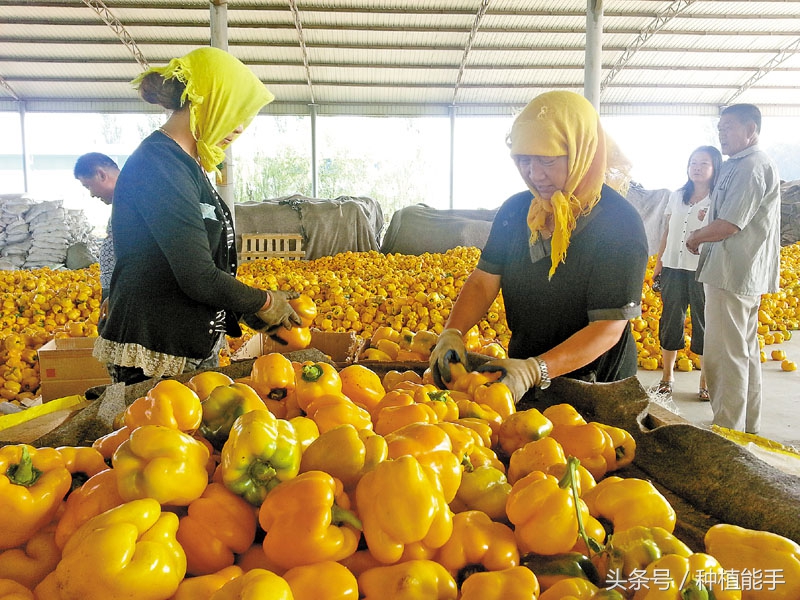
279,314
449,349
519,374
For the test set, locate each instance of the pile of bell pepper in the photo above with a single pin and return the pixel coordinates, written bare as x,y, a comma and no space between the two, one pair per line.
304,482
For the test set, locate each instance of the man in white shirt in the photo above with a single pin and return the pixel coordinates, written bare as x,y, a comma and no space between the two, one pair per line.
739,261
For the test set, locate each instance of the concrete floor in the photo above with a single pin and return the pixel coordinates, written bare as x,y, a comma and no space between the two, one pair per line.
780,415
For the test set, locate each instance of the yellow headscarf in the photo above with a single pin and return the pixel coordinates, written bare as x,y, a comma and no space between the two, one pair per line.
223,92
556,124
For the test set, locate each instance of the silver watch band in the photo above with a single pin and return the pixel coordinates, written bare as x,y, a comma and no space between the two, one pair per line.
544,382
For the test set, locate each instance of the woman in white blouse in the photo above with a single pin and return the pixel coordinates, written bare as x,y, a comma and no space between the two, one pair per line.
686,211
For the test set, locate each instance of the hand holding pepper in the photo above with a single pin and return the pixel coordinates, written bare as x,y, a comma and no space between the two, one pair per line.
449,349
276,313
518,374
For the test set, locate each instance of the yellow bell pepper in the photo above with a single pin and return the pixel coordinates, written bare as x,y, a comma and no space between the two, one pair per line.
397,397
127,552
590,444
431,446
539,503
261,452
477,542
13,590
346,453
307,520
218,525
313,380
576,588
170,404
306,430
695,577
462,439
521,428
82,462
403,510
161,463
551,569
273,377
563,414
483,488
107,444
33,482
223,406
362,385
624,446
515,583
485,430
96,496
392,418
630,502
331,410
633,549
538,455
325,580
497,396
439,400
745,551
471,409
203,383
256,584
409,580
394,377
30,563
203,587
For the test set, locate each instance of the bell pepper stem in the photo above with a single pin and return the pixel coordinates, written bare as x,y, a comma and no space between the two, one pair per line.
570,479
695,590
342,516
311,373
261,472
439,396
23,473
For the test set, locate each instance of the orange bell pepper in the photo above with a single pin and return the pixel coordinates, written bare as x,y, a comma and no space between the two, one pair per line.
362,385
204,586
33,482
326,580
170,404
514,583
591,444
313,380
346,453
477,541
307,520
31,563
218,525
96,496
13,590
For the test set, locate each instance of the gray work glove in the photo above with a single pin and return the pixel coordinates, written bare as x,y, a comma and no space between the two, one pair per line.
449,349
519,374
279,314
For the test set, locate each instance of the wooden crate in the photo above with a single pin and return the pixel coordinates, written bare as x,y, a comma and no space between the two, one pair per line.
271,245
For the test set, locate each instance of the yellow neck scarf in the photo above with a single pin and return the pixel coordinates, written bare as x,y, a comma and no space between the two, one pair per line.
224,94
558,124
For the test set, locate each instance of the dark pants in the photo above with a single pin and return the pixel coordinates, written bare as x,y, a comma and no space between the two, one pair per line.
680,290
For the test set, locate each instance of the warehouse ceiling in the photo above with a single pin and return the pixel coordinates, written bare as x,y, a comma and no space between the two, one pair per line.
411,57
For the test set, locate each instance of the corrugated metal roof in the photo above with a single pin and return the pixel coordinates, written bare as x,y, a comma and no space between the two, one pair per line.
408,57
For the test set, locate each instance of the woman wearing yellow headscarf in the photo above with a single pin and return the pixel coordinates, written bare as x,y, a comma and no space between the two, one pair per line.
174,294
569,256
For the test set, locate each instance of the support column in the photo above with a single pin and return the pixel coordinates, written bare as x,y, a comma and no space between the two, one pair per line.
226,179
593,63
314,173
452,111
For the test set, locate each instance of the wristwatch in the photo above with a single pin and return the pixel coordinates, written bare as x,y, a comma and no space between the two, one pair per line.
544,382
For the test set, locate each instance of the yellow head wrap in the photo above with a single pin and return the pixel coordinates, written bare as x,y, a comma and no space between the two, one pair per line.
223,93
558,124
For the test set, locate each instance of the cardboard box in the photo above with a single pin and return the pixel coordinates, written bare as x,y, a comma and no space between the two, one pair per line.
343,348
67,367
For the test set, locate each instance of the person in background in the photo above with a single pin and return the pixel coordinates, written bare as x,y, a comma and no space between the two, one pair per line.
98,173
739,261
569,256
174,295
686,211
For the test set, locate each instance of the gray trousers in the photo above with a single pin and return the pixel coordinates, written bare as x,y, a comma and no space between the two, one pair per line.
732,359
